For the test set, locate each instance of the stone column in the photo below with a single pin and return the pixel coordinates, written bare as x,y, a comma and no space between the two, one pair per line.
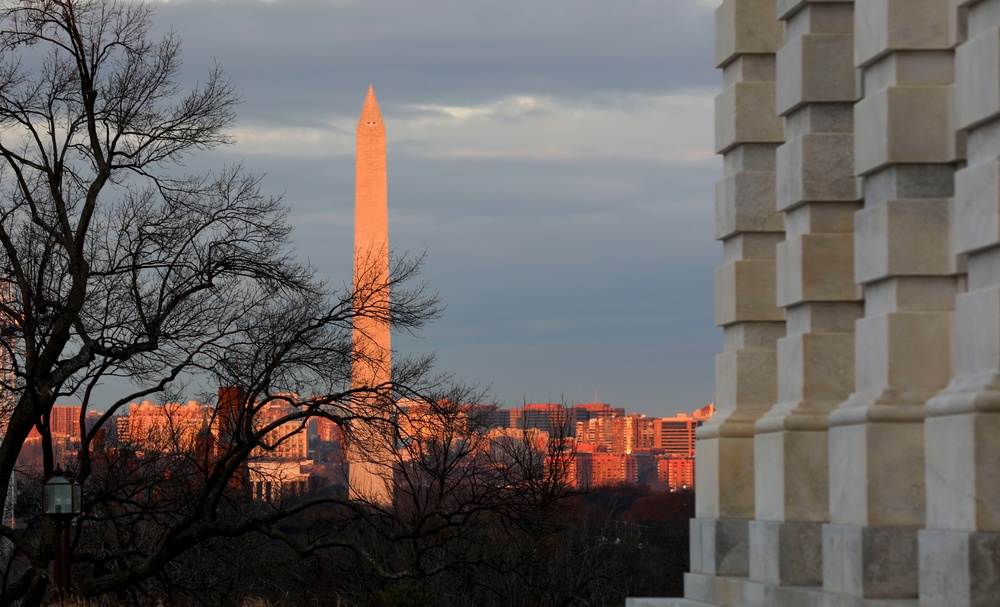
960,548
817,190
904,150
747,132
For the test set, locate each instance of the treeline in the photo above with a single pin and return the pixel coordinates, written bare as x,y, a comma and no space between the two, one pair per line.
587,549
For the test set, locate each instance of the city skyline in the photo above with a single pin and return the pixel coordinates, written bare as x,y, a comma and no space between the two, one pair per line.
599,445
132,256
562,195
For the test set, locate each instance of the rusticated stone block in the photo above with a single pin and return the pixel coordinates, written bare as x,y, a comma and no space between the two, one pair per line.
983,269
791,476
816,267
752,335
751,245
885,132
977,330
817,17
820,118
909,181
882,26
815,68
724,546
727,469
877,472
977,79
870,561
903,237
750,158
694,545
959,569
710,591
912,294
977,206
963,480
744,202
745,379
910,68
823,317
786,553
980,16
744,113
830,217
744,291
749,68
904,351
816,367
745,26
816,167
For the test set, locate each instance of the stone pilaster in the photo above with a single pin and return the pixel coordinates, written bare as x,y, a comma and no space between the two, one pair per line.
904,152
818,193
748,131
960,547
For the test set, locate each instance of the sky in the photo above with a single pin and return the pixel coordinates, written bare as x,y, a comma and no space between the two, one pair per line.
553,160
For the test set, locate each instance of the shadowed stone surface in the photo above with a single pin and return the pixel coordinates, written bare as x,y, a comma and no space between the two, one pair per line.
854,459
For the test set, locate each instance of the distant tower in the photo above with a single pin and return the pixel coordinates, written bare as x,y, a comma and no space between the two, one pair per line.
370,472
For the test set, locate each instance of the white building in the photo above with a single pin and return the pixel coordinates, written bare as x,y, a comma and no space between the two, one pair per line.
852,460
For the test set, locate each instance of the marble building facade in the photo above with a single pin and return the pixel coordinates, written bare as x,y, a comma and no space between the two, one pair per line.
854,458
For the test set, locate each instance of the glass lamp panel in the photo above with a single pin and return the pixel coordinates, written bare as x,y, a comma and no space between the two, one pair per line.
57,496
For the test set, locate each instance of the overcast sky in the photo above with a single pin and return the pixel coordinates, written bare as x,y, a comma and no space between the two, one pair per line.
553,158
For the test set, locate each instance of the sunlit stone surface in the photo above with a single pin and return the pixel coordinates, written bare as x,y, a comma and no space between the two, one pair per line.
853,458
370,464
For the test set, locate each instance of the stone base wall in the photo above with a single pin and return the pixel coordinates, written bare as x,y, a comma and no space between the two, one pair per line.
853,458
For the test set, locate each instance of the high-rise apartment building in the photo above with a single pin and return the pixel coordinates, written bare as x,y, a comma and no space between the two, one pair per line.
635,433
489,416
552,418
587,411
64,421
278,481
172,427
661,450
612,469
676,435
288,441
675,472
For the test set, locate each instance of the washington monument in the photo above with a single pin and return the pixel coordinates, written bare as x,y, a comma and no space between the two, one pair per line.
370,451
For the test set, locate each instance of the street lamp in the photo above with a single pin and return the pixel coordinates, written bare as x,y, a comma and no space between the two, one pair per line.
61,500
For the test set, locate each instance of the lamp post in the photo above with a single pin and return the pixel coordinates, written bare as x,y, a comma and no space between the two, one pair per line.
61,500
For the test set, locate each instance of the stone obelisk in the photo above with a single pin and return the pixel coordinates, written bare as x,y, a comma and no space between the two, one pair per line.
372,442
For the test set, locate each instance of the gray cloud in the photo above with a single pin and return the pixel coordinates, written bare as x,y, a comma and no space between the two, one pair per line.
295,57
570,235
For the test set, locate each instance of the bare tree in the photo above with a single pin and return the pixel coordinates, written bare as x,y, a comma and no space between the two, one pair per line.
117,264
